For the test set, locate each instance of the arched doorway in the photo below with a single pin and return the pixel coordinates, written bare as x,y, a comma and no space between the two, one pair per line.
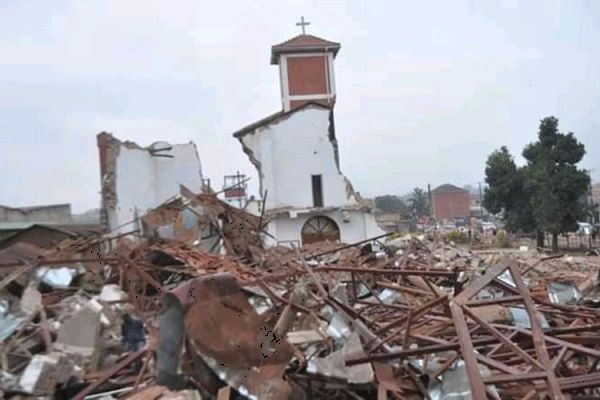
320,228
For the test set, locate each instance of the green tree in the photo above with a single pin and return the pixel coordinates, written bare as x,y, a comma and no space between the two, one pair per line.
558,187
419,202
390,203
507,192
547,194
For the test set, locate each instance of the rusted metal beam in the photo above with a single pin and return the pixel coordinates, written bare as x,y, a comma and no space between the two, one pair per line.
416,313
224,393
109,373
538,335
146,277
499,300
445,366
482,282
44,262
581,349
506,378
403,272
420,387
15,274
348,246
468,352
559,357
499,346
507,369
406,336
402,288
394,355
573,329
503,339
576,382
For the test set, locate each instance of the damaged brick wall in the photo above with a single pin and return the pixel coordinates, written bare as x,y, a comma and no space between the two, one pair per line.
108,148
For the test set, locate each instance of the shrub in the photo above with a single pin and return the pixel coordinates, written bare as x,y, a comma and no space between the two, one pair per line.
457,236
502,239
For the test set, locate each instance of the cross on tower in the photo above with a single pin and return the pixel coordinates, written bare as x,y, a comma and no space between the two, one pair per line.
303,25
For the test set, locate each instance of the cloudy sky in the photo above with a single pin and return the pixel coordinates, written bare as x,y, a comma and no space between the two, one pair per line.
426,89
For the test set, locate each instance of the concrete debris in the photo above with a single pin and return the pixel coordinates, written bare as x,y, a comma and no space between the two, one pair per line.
112,293
193,306
31,300
79,334
59,278
44,373
334,364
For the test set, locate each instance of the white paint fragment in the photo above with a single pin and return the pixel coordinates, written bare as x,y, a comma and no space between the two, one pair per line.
112,293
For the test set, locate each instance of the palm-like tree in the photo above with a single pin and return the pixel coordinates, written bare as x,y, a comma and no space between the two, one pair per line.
419,202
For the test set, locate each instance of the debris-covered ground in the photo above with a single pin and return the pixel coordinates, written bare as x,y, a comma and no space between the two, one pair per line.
196,308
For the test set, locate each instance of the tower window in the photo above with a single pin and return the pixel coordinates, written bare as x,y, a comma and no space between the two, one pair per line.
317,190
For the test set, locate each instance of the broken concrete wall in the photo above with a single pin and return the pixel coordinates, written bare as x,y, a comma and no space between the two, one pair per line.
136,179
286,154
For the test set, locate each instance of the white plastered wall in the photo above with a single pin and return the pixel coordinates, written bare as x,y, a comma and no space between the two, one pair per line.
144,181
354,226
289,152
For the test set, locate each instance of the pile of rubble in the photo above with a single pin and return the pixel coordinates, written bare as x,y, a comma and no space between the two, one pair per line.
174,313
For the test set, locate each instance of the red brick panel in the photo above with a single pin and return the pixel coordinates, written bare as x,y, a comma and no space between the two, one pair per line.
307,75
234,192
299,103
447,206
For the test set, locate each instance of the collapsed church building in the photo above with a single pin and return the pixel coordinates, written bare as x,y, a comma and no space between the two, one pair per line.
185,296
295,152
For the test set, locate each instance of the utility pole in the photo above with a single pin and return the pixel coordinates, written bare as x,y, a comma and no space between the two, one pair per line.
429,205
480,203
591,210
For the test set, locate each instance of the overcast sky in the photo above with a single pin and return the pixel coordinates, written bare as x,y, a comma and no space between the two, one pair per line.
426,90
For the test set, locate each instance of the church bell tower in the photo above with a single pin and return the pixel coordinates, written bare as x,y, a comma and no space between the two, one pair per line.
305,69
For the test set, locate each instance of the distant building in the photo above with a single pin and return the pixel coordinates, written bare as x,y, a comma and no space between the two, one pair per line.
394,222
596,193
477,209
43,226
48,236
17,219
450,202
57,213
